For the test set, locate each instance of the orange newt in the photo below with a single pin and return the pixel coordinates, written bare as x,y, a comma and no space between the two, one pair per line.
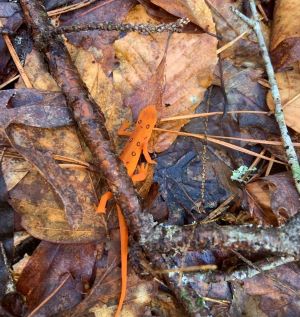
134,148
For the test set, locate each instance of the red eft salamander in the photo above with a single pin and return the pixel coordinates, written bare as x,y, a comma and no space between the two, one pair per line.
134,148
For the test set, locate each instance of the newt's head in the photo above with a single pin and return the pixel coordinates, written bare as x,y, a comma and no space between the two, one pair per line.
147,117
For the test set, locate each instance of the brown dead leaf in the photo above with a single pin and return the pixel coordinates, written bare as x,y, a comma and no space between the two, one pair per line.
38,145
196,10
139,295
190,62
285,41
289,83
37,72
11,18
57,274
98,43
265,296
275,197
15,170
100,87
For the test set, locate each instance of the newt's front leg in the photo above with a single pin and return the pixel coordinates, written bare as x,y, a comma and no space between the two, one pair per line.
123,129
103,202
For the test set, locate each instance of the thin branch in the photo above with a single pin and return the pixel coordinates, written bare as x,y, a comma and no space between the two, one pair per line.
287,142
142,28
245,272
86,112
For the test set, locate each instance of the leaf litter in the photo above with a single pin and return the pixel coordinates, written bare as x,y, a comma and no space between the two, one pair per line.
50,178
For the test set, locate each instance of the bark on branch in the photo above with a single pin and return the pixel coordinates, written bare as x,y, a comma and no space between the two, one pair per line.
86,112
286,139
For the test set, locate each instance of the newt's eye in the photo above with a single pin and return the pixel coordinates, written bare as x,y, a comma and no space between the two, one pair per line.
138,143
147,126
133,153
140,121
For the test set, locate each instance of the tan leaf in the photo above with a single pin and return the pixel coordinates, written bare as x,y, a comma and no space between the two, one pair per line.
196,10
285,41
190,63
100,87
38,73
289,83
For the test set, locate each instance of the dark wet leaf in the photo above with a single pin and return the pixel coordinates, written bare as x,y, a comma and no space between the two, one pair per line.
6,220
179,174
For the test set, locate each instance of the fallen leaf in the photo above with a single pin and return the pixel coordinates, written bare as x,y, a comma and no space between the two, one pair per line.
56,276
101,88
285,41
187,75
288,83
37,72
196,10
277,197
38,144
11,19
268,296
98,43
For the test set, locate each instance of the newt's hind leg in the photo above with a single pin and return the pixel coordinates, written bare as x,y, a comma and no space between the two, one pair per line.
103,201
147,155
141,175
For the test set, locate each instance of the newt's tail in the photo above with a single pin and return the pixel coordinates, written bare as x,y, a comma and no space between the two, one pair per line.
124,254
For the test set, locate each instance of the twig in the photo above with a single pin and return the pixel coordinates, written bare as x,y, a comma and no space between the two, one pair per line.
287,142
251,270
218,211
229,44
279,241
141,28
34,312
196,268
10,286
9,81
266,266
216,141
206,114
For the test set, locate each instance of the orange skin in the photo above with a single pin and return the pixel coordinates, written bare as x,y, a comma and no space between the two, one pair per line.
136,145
